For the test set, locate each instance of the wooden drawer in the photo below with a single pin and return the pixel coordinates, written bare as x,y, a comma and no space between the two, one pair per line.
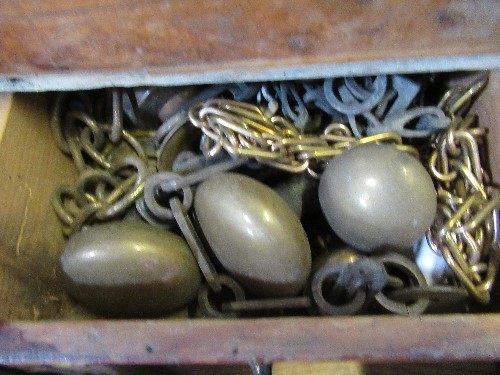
70,45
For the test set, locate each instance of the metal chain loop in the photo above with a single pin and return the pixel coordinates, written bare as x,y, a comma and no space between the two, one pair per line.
107,185
244,130
468,237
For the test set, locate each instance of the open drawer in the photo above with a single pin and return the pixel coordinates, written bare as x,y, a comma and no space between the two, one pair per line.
32,168
41,325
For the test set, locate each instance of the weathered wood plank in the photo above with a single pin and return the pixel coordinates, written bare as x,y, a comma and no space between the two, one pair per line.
370,339
68,44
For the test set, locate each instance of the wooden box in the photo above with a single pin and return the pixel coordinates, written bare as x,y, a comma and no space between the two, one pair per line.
81,45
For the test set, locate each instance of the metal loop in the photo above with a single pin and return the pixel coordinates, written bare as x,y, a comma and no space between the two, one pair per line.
152,189
175,182
314,95
338,129
88,146
206,296
170,126
416,279
85,119
272,103
92,177
301,117
73,137
456,100
435,162
469,177
343,281
57,116
358,91
173,131
59,196
470,150
397,123
147,216
85,214
353,107
195,244
210,147
480,293
127,192
325,305
134,144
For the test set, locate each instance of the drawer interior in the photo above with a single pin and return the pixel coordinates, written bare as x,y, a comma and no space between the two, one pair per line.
31,240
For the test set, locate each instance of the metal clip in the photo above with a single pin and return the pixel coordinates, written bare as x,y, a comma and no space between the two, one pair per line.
342,282
456,100
395,262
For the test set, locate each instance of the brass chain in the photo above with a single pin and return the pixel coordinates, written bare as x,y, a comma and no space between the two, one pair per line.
466,228
244,130
108,182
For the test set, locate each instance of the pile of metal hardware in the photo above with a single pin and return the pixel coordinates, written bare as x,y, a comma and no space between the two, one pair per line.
326,197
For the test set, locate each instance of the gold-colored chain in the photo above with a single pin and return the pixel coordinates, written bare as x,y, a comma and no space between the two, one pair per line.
466,229
243,129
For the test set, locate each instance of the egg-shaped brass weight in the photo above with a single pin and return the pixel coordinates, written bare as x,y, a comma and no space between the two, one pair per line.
129,269
377,197
255,236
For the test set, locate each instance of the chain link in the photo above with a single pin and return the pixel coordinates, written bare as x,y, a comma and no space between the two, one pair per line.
467,232
108,183
244,130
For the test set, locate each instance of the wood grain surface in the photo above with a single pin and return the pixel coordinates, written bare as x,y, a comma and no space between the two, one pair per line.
370,339
123,42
